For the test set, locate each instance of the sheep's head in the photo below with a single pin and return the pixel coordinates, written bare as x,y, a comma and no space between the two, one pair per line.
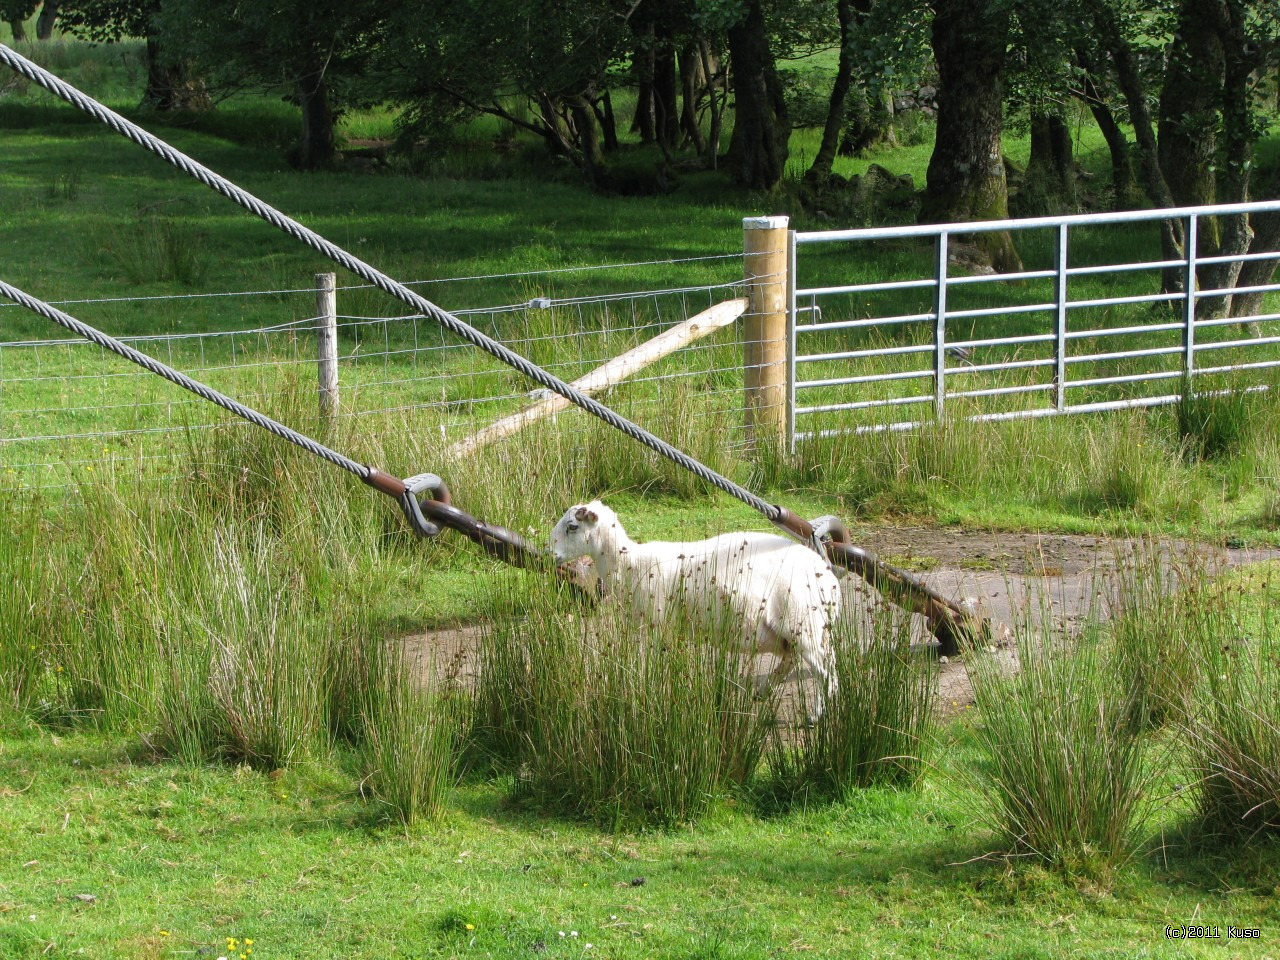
576,534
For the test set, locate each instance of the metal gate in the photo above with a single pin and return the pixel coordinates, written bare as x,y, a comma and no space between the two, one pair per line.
1095,319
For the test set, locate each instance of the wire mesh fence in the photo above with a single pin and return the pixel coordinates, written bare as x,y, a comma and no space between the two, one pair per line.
69,410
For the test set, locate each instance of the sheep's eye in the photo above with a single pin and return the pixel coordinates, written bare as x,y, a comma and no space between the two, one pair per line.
572,527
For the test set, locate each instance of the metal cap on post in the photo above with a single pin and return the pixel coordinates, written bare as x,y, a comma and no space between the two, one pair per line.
764,328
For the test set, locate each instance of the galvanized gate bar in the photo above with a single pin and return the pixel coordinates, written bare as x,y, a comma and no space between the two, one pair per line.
831,347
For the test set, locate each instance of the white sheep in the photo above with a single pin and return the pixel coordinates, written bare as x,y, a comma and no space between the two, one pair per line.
783,594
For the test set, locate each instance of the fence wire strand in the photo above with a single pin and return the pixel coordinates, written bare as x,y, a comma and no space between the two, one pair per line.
221,185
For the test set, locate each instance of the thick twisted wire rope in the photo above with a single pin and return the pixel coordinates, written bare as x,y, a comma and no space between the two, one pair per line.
231,191
181,379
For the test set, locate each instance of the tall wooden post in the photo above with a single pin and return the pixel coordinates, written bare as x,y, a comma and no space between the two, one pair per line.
327,343
764,328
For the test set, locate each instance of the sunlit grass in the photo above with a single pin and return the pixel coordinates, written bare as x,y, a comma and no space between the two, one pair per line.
1063,772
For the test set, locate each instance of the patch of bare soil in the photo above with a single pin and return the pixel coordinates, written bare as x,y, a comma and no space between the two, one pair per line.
1014,575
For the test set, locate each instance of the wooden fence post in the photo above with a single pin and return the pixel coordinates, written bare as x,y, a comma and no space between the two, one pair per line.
764,329
327,343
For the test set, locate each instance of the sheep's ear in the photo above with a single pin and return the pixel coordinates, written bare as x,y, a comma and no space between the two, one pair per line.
585,515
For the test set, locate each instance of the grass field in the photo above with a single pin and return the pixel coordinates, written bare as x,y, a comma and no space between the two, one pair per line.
209,748
97,220
177,859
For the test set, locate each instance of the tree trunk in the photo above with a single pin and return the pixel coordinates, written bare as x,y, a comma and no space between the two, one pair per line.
19,29
758,150
584,119
869,122
1189,102
692,83
554,130
820,169
1255,273
1172,234
1123,184
716,101
603,106
48,17
1239,62
317,146
666,92
644,123
1050,169
1266,239
966,179
170,86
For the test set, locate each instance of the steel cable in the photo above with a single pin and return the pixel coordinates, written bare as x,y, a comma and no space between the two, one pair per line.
181,379
214,181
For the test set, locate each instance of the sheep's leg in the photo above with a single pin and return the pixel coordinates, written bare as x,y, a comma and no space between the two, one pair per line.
767,642
818,667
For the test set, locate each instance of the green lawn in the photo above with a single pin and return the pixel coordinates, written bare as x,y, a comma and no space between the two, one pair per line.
112,588
108,853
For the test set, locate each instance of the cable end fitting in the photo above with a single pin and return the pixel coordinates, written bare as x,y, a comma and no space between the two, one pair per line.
794,526
386,483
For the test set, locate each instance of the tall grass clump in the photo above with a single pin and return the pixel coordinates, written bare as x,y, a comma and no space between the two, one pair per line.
23,652
413,731
874,732
246,679
505,654
106,604
1061,769
1127,469
1233,731
607,459
914,470
1157,615
157,249
1213,423
239,473
617,721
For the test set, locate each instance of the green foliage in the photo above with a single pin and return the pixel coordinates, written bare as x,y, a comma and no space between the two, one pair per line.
11,10
531,64
616,720
891,45
1062,770
156,248
413,733
1214,423
876,731
1233,729
108,21
808,93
